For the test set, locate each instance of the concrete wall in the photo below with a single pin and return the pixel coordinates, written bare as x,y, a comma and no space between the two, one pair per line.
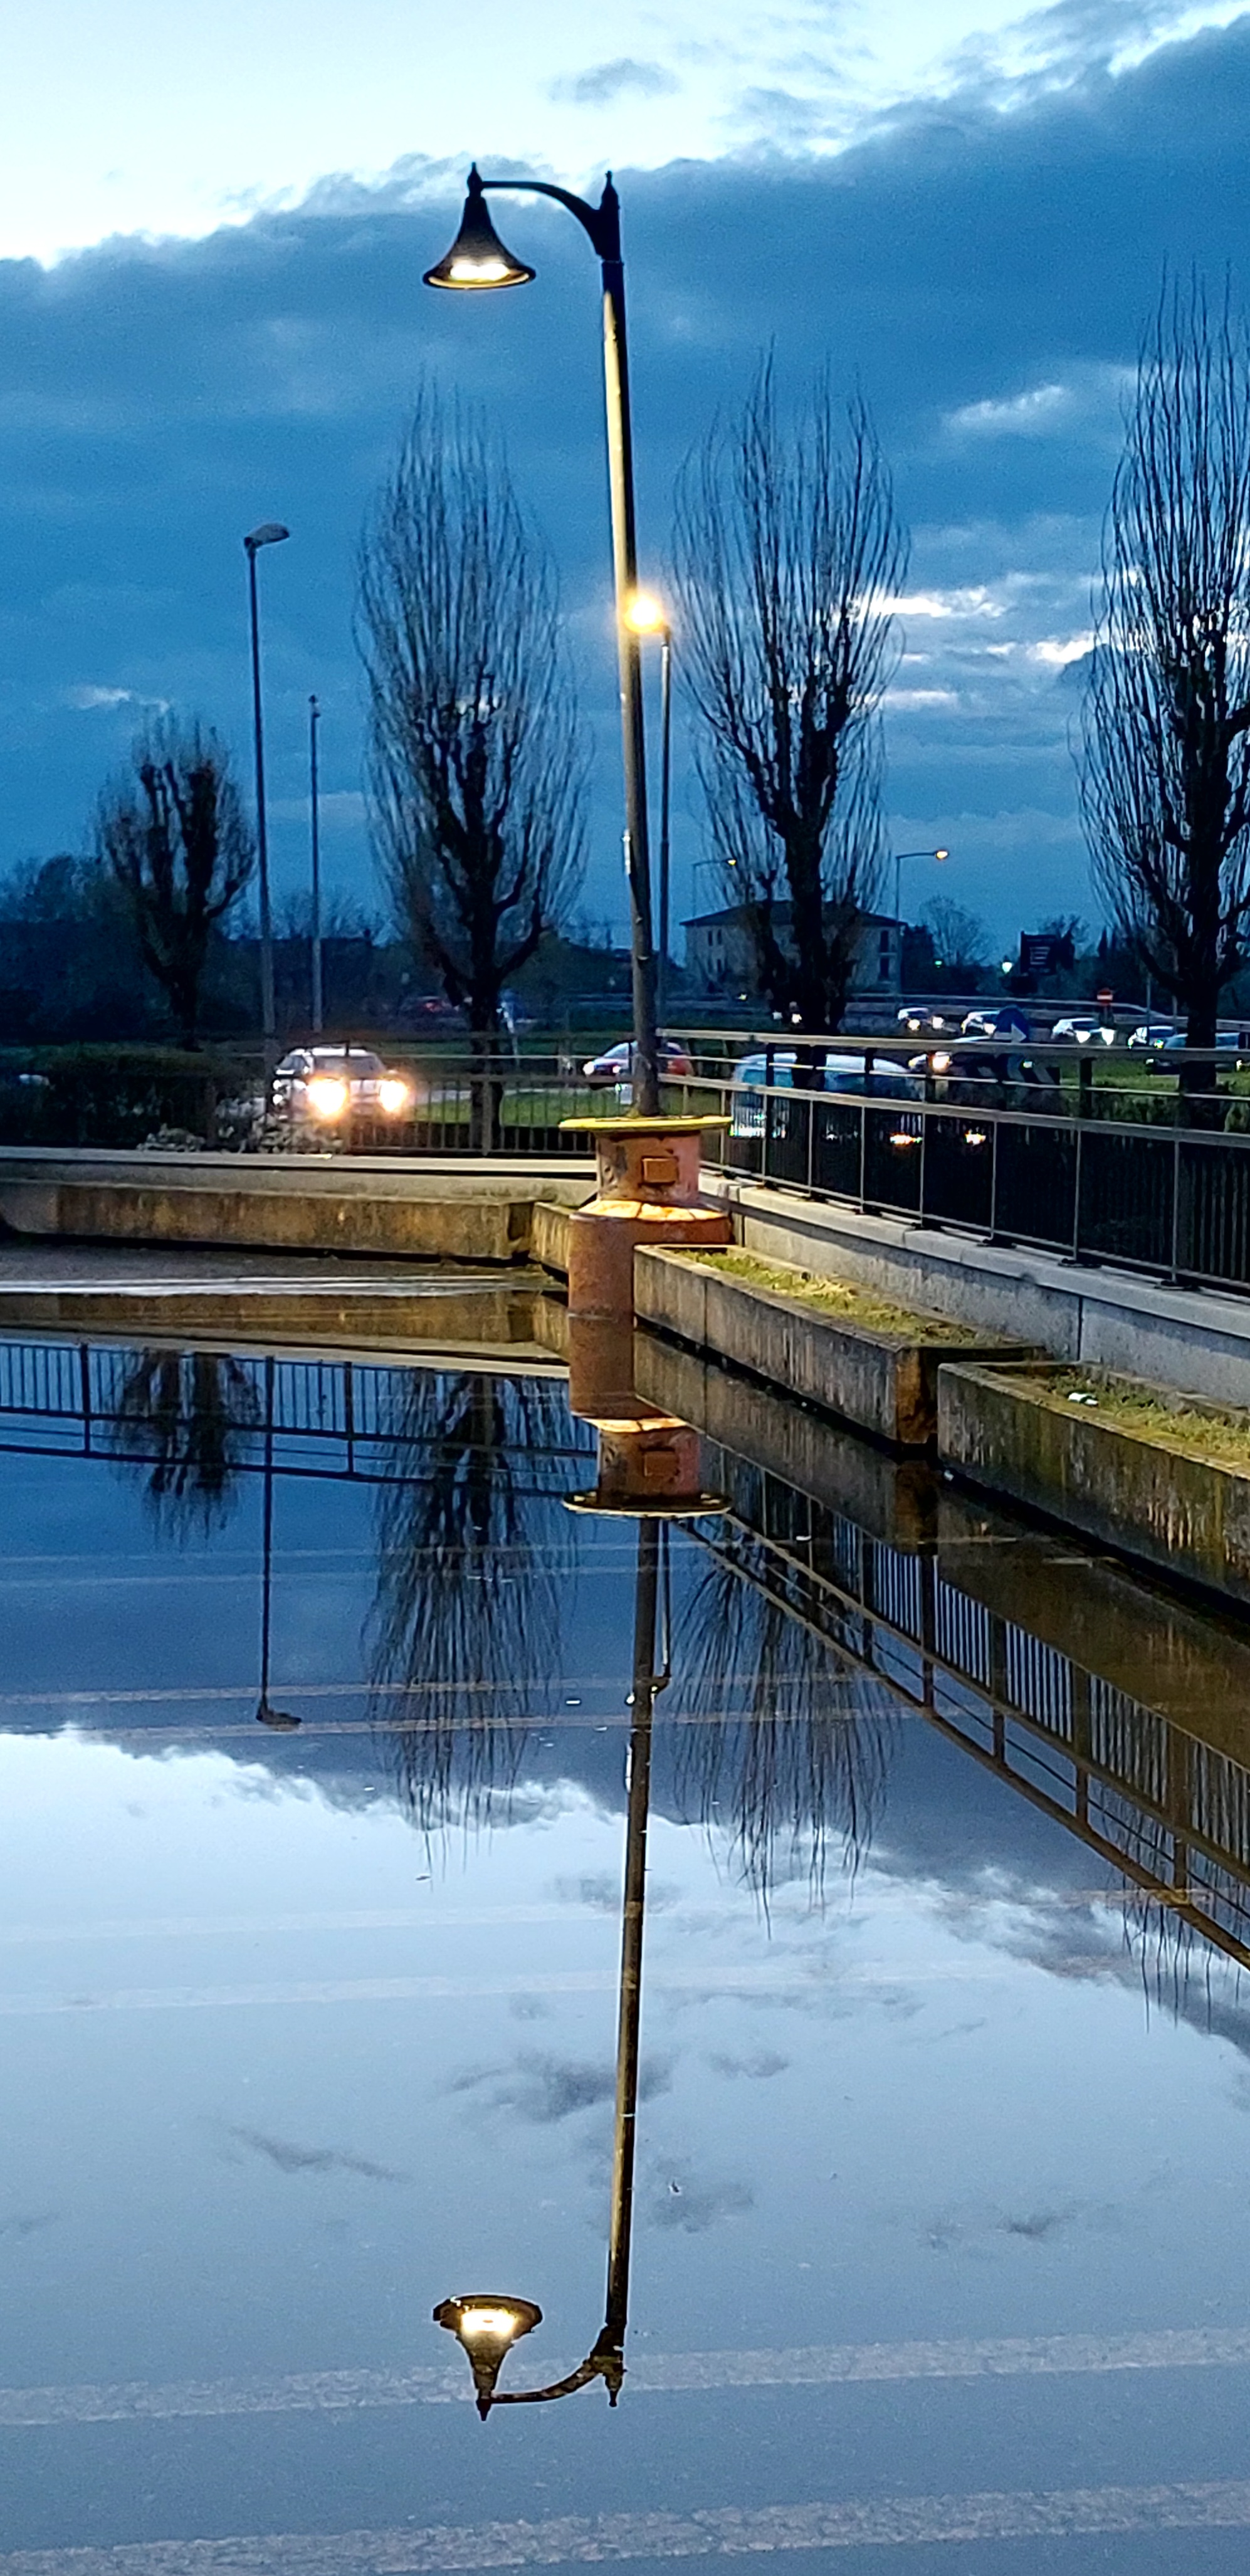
1192,1339
435,1211
1177,1513
886,1382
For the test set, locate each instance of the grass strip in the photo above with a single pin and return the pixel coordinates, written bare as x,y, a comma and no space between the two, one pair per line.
1217,1435
840,1299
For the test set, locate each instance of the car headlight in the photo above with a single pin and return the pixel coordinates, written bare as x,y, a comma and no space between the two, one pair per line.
326,1096
940,1063
393,1095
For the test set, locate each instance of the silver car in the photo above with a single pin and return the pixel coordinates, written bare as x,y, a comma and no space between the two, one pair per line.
323,1086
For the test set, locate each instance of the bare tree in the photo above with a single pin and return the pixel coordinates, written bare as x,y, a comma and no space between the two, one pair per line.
174,835
183,1421
464,1636
1165,754
476,761
788,553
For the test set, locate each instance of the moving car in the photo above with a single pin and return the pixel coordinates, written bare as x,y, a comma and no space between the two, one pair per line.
317,1086
1151,1033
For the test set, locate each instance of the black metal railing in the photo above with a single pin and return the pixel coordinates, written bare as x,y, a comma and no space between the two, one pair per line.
1097,1160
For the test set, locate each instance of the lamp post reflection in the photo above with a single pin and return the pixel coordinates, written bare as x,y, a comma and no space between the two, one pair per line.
649,1471
280,1719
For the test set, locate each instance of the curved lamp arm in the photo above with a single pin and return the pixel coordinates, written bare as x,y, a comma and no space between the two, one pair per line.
605,2362
601,222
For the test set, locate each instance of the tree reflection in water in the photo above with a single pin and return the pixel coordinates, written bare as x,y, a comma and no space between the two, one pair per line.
182,1423
465,1632
787,1746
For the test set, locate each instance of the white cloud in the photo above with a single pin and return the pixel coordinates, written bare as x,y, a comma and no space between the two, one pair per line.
1027,415
90,697
1057,651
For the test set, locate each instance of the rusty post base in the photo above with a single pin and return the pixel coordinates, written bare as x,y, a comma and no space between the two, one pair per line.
648,1192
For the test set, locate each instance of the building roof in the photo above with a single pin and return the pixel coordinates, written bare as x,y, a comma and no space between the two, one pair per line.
737,912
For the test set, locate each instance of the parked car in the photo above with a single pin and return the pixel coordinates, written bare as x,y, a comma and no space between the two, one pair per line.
615,1067
756,1073
316,1086
1234,1042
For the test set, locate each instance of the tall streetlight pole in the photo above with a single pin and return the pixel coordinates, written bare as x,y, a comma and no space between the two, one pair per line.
314,719
645,614
899,857
271,534
478,261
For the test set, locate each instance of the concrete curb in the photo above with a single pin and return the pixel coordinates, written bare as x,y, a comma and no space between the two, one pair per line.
1178,1514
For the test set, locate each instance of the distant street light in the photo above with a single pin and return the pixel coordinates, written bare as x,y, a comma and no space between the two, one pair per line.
476,261
645,614
899,857
270,534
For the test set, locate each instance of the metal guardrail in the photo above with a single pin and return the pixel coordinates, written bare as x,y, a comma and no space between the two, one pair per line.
1019,1143
1167,1809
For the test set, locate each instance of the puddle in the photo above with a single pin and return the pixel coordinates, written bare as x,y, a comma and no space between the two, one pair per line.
937,2083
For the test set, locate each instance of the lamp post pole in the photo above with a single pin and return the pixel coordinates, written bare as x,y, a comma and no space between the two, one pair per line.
268,535
666,744
477,260
899,857
314,719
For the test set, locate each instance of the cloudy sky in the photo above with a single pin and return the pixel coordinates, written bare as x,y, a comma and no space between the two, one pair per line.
212,231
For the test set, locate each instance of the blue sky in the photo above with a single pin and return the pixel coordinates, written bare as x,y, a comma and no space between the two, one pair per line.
211,314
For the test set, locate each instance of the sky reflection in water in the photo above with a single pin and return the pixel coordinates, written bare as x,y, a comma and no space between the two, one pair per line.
303,2033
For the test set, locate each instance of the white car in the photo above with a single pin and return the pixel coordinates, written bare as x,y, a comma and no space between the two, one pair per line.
1083,1026
318,1086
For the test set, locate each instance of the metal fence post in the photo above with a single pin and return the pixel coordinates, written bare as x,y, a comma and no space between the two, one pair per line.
1174,1272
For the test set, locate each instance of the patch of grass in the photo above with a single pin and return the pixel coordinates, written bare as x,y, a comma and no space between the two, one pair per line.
836,1297
1220,1437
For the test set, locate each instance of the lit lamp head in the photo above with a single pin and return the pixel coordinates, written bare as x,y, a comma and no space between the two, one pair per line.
486,2328
644,614
941,854
477,257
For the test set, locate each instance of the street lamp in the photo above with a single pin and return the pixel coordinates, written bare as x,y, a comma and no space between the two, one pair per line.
899,857
477,262
270,534
645,615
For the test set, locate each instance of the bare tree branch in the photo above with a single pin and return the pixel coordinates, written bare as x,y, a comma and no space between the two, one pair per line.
1165,760
477,766
788,555
179,847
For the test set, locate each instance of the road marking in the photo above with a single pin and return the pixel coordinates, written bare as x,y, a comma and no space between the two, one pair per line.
801,2366
725,2531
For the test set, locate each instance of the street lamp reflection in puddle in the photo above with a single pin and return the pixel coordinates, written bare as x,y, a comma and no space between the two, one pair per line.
649,1467
279,1720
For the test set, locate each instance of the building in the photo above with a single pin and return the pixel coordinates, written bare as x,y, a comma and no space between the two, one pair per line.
720,951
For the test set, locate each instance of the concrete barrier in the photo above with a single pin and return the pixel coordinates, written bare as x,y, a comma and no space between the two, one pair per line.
1182,1515
894,1498
1195,1340
437,1211
885,1380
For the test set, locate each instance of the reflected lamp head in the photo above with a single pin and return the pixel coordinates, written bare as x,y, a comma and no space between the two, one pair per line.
477,257
486,2327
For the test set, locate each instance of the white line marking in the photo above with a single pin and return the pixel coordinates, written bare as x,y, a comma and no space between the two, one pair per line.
724,2531
802,2366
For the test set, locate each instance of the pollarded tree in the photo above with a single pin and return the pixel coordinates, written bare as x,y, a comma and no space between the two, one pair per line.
174,835
1165,754
789,553
476,762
